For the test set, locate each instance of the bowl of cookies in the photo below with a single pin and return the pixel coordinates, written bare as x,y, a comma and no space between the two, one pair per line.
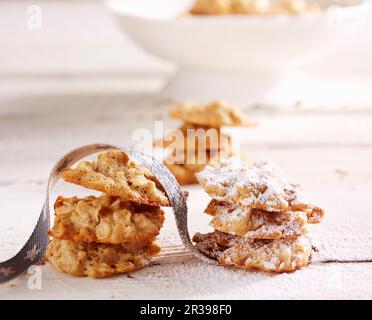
239,48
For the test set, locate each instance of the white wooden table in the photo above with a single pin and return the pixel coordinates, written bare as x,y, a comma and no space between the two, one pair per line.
328,152
326,148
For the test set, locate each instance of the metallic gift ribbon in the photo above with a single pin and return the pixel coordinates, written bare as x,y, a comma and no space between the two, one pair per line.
33,251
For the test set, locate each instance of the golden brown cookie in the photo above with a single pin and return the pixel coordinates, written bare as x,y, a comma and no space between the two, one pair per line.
279,255
115,174
98,260
181,173
195,137
253,7
185,165
215,114
260,186
256,224
195,160
105,219
211,7
297,6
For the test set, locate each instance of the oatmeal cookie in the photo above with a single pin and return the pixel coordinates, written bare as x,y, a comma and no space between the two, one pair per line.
218,7
297,6
98,260
260,186
181,173
215,114
211,7
195,137
116,174
185,165
256,224
279,255
106,219
195,160
253,7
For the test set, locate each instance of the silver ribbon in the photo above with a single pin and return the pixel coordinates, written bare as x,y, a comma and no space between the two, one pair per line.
33,251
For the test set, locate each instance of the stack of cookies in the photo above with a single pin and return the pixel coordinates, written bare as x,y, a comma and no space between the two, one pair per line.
199,140
260,218
115,232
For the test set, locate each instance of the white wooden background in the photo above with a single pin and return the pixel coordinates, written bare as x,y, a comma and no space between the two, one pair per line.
53,99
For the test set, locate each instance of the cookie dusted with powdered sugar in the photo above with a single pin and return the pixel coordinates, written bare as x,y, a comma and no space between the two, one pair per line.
280,255
105,219
256,224
115,174
260,186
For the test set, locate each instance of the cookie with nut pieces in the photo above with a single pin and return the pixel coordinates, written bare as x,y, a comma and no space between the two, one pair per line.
98,260
215,114
115,174
105,219
276,256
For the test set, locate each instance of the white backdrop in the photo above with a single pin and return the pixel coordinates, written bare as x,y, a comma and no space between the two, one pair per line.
80,36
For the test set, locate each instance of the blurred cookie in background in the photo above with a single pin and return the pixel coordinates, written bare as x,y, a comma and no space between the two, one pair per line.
200,139
253,7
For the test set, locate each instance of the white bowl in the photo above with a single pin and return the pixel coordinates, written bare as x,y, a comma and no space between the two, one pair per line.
255,47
